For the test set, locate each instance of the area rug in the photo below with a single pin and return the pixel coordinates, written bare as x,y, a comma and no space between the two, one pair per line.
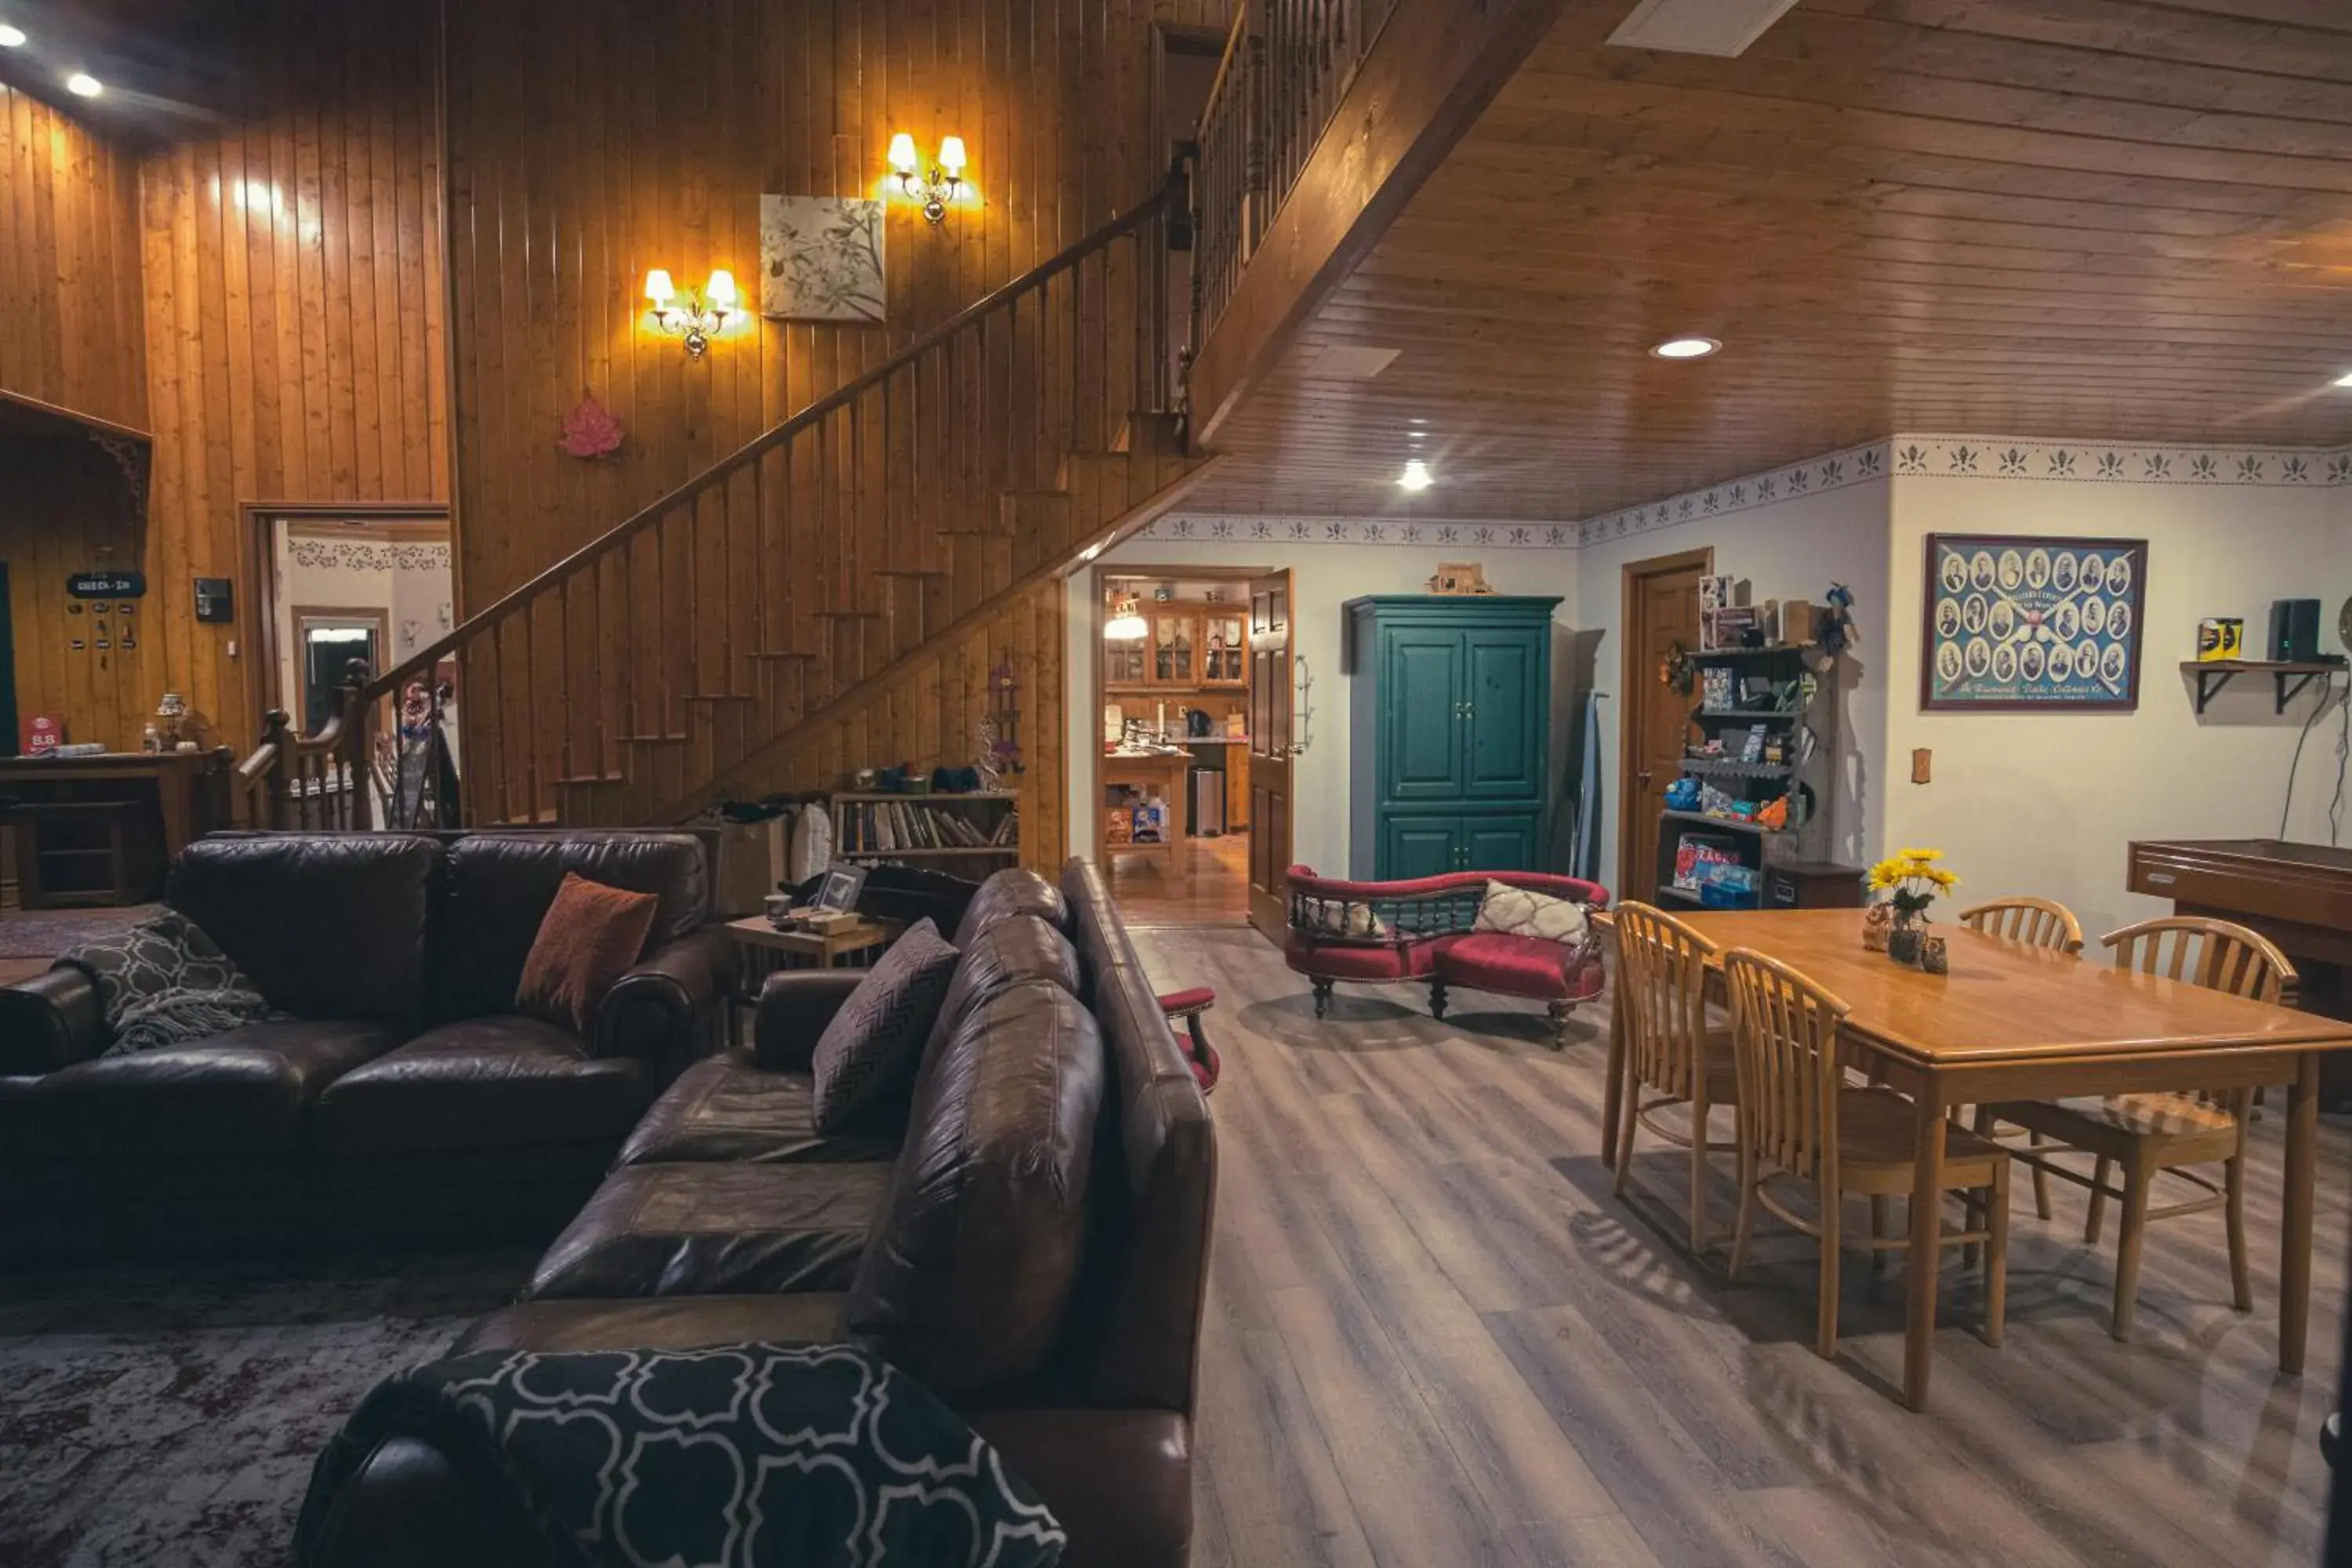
156,1414
44,933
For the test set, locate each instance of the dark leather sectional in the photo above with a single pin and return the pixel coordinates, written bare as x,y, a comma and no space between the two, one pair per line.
1030,1237
402,1098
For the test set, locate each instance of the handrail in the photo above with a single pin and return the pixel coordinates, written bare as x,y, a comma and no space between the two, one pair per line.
1169,193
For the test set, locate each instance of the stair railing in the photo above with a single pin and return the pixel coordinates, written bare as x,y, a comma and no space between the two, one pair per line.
316,783
1286,66
805,560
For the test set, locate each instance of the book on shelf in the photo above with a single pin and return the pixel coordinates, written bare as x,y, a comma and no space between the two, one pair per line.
914,826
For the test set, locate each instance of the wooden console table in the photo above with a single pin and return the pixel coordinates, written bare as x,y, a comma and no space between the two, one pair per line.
178,796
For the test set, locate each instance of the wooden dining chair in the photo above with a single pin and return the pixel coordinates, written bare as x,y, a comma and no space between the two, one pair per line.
2143,1134
2037,922
1801,1120
1668,1047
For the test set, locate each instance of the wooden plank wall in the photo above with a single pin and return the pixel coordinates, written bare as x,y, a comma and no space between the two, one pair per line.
294,311
928,716
61,503
70,313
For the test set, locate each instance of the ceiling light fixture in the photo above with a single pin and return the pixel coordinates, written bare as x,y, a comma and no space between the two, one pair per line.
1721,27
11,37
1686,348
2344,380
1416,476
81,84
1126,623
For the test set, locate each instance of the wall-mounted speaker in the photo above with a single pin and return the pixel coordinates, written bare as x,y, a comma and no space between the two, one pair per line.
2294,630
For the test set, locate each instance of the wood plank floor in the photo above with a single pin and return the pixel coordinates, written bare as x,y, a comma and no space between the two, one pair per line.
1209,885
1436,1339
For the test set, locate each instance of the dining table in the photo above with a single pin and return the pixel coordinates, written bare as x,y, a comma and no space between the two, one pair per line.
2012,1021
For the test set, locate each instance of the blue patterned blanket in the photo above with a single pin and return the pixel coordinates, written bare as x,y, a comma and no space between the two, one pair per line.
755,1455
164,982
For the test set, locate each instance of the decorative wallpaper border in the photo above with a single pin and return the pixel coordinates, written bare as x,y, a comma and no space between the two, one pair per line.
351,555
1904,457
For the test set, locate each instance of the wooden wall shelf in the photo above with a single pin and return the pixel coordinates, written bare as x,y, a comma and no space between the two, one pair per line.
2288,678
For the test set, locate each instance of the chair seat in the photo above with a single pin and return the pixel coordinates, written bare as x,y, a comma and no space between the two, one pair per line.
1177,1004
722,1109
2192,1130
1512,965
1878,1143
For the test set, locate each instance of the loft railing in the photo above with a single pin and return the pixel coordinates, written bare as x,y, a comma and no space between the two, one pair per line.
808,559
1286,66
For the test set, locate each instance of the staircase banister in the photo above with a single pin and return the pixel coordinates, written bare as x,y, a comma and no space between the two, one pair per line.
425,658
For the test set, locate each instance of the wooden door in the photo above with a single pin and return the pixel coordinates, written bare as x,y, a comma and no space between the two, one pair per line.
1421,733
1661,609
1270,740
1503,753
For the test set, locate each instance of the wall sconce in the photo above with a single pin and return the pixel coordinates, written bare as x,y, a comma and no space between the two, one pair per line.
946,180
696,320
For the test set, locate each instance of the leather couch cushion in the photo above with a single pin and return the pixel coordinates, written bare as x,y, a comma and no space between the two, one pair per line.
1013,948
1120,1481
702,1230
498,886
588,939
722,1109
670,1323
327,925
1011,892
483,1083
970,1272
243,1091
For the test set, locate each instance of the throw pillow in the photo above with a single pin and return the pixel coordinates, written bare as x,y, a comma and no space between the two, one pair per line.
1343,917
589,938
868,1055
1517,912
164,982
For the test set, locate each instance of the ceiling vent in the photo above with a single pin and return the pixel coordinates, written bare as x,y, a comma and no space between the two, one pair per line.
1724,28
1336,362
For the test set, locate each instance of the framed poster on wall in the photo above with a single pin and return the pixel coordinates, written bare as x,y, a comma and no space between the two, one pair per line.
2020,624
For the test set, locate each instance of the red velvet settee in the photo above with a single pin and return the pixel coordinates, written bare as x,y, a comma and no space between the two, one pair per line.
1384,933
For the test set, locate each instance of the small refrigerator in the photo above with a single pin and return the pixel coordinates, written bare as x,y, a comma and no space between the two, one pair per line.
1207,806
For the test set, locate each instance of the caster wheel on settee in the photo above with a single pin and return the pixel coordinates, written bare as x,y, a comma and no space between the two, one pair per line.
1322,998
1436,998
1559,1012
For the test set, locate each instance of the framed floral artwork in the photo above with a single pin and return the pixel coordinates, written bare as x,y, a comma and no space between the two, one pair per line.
821,259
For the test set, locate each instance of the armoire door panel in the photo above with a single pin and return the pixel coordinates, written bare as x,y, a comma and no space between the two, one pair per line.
1498,844
1423,746
1504,744
1420,846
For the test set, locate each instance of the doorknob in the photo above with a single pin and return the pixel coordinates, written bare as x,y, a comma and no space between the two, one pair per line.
1643,777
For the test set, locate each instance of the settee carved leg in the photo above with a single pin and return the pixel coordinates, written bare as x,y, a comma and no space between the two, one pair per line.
1436,998
1559,1012
1322,998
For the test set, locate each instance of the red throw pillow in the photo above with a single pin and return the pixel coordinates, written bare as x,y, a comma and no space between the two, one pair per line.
591,936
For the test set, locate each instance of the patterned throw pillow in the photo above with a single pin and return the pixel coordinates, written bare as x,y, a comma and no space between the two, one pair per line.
868,1055
1515,912
1343,917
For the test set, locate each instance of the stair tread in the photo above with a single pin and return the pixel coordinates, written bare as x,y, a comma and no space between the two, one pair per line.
595,779
782,653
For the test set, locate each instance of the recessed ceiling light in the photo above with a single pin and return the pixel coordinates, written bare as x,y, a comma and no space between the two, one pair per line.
81,84
1724,28
1686,348
11,37
1415,477
2344,380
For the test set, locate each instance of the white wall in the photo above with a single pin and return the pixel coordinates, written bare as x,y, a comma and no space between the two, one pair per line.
409,581
2047,802
1791,549
1325,575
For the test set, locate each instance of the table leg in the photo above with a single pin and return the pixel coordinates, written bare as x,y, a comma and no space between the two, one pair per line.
1926,1244
1613,1091
2295,1234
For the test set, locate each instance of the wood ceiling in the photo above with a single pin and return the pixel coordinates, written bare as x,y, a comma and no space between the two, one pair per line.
2100,219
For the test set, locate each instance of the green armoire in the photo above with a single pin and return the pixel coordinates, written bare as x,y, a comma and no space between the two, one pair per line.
1451,711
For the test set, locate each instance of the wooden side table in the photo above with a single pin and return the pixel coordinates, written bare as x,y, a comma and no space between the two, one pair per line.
762,949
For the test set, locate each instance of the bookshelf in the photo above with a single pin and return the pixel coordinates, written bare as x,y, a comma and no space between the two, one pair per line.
975,833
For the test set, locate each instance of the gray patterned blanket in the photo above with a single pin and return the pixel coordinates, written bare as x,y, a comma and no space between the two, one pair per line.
753,1456
164,982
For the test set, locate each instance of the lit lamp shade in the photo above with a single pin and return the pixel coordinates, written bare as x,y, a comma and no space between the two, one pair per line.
1126,623
721,291
952,156
902,152
658,287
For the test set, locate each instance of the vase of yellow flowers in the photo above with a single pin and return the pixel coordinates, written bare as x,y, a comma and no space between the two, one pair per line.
1911,880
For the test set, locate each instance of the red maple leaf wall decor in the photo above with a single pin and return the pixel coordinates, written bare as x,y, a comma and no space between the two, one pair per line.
590,431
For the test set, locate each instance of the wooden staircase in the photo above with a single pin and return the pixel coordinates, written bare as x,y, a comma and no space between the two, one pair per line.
702,647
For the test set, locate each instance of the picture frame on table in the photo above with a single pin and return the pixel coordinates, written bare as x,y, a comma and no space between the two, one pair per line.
838,892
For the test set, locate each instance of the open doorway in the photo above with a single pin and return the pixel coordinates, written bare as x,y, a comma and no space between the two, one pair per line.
1177,810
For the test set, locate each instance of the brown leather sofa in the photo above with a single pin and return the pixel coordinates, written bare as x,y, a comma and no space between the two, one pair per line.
1032,1241
401,1097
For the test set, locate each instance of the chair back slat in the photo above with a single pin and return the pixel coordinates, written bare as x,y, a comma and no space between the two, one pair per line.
1662,986
2199,951
1784,1031
2038,922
